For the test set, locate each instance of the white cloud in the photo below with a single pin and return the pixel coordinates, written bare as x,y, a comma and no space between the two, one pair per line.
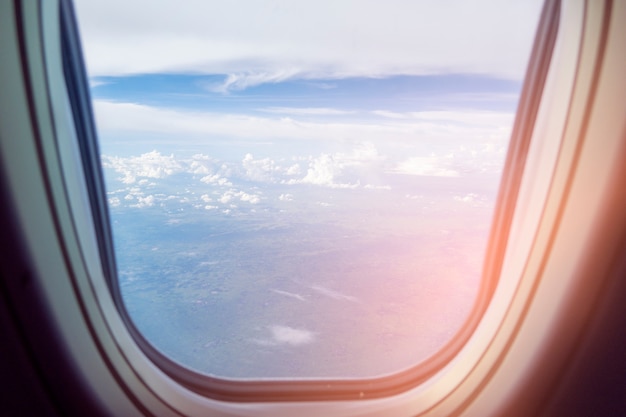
467,198
321,85
258,42
389,114
201,164
261,170
136,169
147,165
289,294
376,187
293,170
473,118
285,197
250,198
285,335
322,171
231,196
431,166
307,111
147,201
290,335
226,197
364,153
341,169
216,179
94,82
243,80
473,199
405,128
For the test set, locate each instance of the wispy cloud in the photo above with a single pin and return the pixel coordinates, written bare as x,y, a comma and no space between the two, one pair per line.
307,111
94,82
394,127
289,294
321,85
333,294
241,81
458,117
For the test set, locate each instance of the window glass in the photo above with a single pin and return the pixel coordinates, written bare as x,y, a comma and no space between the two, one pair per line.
303,189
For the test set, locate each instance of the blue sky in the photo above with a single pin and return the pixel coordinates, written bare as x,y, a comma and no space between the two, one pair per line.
349,96
396,118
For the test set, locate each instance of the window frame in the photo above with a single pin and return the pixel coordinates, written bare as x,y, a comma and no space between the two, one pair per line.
320,389
75,302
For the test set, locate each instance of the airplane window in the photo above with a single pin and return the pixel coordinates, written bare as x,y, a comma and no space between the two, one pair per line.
303,189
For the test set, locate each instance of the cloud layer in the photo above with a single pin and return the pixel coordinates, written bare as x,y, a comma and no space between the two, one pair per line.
255,42
384,126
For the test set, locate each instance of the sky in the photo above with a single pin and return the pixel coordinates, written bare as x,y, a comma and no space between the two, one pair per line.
323,70
387,118
256,42
337,73
338,95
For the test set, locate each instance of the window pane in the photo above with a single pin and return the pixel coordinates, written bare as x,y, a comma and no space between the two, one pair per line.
303,189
